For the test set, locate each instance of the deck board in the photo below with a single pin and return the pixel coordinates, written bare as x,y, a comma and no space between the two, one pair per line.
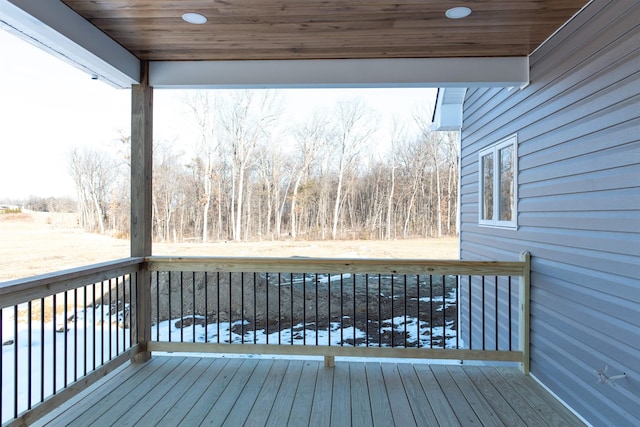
303,400
400,407
360,403
177,390
285,395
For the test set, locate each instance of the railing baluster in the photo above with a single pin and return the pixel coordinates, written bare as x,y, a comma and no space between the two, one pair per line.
341,309
496,311
54,366
42,347
482,306
230,309
181,307
393,325
457,319
241,308
117,316
430,311
206,306
170,321
405,310
218,305
266,309
157,305
379,310
353,297
255,302
193,303
110,322
304,308
66,348
85,330
279,308
366,312
101,322
124,314
418,310
291,304
470,314
93,328
16,369
444,311
29,358
509,309
329,308
316,312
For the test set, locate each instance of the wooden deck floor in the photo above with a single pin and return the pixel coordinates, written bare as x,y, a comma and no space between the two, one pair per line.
190,391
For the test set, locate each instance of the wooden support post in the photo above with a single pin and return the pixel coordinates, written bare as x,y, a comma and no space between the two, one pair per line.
141,222
524,303
329,361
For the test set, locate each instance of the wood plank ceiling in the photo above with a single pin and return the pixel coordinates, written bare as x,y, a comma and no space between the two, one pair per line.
332,29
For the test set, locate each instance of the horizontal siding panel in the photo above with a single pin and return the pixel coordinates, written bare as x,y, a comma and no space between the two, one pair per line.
623,265
620,307
609,179
553,326
597,334
588,34
608,283
611,158
576,381
617,124
623,199
546,95
621,221
589,108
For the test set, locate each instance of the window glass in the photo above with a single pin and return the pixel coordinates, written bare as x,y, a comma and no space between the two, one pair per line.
487,185
506,183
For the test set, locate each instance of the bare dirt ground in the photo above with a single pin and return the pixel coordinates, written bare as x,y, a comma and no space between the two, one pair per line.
34,243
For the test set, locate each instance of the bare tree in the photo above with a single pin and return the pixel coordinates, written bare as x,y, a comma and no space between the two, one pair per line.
203,110
353,130
310,137
93,172
246,117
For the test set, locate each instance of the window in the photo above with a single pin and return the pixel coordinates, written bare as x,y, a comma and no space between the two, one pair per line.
498,184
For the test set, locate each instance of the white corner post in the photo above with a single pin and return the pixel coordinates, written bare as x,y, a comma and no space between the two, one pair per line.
141,185
524,311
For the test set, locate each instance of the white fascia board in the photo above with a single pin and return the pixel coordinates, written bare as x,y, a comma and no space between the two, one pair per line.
54,27
336,73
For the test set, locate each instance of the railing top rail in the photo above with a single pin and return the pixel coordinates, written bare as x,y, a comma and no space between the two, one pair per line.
22,290
336,265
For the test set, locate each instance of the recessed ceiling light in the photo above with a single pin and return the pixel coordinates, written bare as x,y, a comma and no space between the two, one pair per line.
458,12
194,18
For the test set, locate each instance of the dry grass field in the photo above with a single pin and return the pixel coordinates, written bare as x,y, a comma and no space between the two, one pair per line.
34,243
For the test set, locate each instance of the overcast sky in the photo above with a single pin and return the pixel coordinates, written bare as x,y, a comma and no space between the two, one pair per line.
47,107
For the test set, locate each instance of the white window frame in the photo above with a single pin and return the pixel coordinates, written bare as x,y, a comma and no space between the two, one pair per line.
495,150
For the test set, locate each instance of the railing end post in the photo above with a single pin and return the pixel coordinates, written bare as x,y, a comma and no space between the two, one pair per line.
524,304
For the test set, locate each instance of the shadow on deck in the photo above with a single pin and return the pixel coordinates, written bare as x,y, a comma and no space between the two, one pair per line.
177,390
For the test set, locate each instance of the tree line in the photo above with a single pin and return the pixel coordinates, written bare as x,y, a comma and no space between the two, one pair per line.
246,175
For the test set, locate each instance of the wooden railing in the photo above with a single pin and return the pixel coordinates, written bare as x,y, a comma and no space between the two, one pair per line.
341,307
61,332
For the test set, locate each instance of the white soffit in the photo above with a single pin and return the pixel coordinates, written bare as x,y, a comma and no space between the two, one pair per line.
388,72
54,27
447,115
